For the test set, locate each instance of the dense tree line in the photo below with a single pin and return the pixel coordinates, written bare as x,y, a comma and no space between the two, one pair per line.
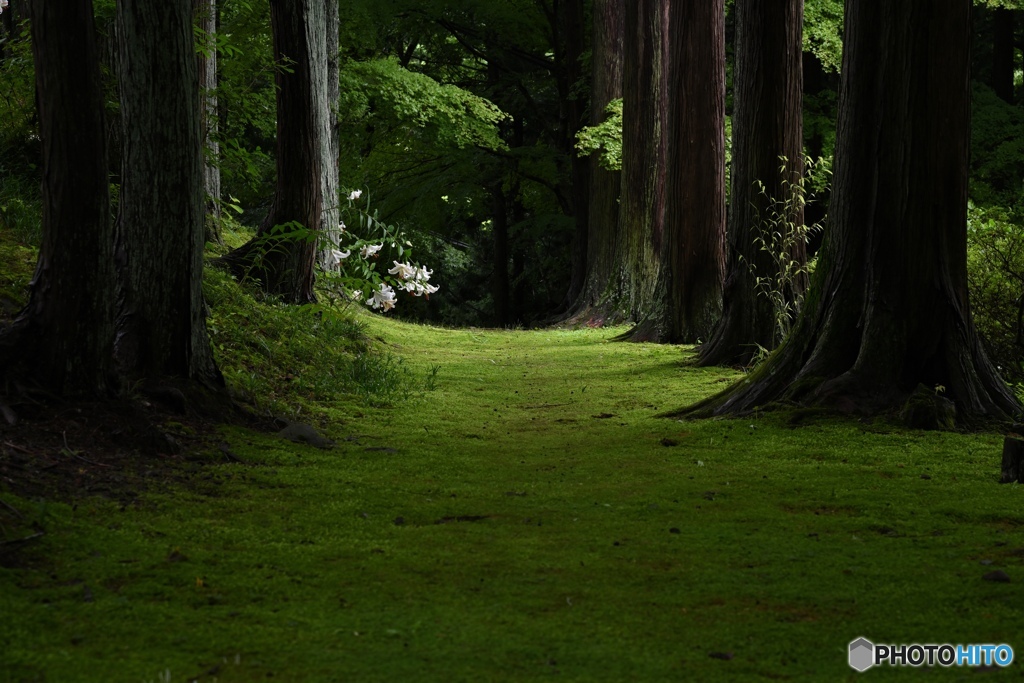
461,121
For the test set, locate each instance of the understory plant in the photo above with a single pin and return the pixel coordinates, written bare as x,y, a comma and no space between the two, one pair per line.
781,237
352,254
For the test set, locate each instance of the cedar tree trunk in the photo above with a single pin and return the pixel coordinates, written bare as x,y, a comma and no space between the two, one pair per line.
602,289
64,336
331,216
161,323
693,262
642,205
767,126
887,312
285,265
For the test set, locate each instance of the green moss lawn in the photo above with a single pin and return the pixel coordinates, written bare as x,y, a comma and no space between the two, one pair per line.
530,518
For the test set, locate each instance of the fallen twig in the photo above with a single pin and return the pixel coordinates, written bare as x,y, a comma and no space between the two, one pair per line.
33,537
10,507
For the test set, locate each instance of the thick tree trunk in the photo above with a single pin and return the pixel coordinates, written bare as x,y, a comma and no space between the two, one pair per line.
644,138
285,266
161,326
206,20
693,263
766,127
1003,25
888,309
63,338
602,290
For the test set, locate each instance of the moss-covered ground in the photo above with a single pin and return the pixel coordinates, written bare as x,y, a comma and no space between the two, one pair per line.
530,518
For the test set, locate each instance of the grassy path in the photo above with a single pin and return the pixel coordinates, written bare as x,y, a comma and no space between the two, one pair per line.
531,519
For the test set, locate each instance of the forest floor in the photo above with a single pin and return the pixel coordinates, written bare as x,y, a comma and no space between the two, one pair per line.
529,518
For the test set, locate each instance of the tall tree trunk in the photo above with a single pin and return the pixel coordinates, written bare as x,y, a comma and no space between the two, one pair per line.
888,308
285,265
161,325
1003,49
574,32
693,261
644,138
602,289
766,127
206,21
64,337
331,216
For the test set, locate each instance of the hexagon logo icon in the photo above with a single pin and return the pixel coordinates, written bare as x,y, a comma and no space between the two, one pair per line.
862,654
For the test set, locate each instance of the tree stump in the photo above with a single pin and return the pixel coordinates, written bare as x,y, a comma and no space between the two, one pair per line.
1013,459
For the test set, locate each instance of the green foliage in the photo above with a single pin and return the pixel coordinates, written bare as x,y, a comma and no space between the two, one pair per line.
605,138
246,100
17,263
997,149
823,32
445,115
995,271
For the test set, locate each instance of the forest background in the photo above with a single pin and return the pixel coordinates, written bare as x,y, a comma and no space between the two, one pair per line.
475,129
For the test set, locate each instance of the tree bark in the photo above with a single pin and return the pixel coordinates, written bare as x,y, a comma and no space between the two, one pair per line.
598,302
206,20
693,263
285,266
64,337
331,216
644,155
766,128
161,326
888,309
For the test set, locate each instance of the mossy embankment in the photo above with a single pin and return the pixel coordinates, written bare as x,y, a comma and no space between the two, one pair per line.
529,518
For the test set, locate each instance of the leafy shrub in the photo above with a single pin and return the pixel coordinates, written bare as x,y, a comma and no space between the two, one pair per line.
995,272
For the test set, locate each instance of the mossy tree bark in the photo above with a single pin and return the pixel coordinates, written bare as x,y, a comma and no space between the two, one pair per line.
766,126
644,156
689,297
64,337
599,299
888,310
285,267
161,326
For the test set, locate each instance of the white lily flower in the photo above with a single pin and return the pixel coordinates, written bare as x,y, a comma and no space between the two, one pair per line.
403,270
423,274
383,298
354,195
422,289
336,256
3,6
370,249
341,227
